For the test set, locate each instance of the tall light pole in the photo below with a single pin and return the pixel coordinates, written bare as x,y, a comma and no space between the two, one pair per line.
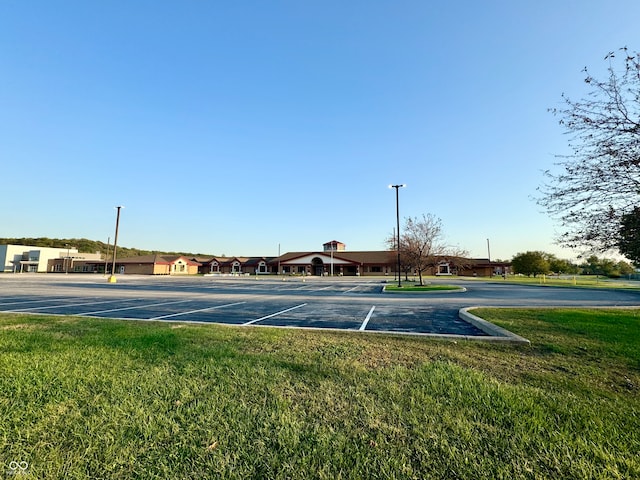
397,187
112,278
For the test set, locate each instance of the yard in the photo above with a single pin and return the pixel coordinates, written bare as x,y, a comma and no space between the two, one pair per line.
96,398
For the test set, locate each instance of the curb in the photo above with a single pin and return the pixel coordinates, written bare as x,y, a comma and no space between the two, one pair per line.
496,333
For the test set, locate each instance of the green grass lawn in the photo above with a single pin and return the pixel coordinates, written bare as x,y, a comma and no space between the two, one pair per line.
90,398
584,281
411,287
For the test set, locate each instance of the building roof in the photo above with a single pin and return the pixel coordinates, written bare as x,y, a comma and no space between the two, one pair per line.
156,259
362,257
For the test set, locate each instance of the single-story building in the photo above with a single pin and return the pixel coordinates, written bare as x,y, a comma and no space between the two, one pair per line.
377,263
341,263
77,263
333,260
234,265
483,267
156,265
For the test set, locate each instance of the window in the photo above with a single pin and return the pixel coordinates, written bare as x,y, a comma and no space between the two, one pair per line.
443,269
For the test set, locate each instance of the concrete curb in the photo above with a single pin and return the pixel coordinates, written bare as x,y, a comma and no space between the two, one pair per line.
425,292
496,333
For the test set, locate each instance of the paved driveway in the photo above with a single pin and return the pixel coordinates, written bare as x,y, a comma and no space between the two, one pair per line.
351,304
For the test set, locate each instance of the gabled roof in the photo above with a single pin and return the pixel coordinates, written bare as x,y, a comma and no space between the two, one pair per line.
257,260
210,259
202,259
156,259
332,242
245,261
381,257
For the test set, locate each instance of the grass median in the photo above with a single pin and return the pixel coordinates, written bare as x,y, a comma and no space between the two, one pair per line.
91,398
420,288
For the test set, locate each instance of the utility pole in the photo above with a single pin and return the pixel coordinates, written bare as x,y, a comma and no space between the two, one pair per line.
397,187
112,278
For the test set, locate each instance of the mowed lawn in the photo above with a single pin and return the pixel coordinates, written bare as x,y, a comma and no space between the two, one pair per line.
100,399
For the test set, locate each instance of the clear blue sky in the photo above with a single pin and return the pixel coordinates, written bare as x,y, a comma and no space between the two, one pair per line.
234,127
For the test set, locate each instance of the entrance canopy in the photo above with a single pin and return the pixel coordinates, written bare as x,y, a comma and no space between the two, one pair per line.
315,259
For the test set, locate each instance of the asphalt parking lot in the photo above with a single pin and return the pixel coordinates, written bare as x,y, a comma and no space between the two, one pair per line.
355,304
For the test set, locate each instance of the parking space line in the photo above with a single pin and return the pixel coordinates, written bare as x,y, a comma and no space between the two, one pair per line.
352,289
274,314
131,308
63,305
196,311
366,320
22,302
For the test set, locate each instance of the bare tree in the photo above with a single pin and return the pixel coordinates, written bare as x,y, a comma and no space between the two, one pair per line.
406,266
600,181
423,246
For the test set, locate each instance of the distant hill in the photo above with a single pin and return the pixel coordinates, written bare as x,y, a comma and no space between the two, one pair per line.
90,246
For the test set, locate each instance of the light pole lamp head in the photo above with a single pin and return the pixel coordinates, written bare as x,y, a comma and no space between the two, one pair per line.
398,186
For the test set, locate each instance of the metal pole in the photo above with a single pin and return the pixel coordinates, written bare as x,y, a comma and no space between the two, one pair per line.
397,187
112,278
395,245
332,244
398,233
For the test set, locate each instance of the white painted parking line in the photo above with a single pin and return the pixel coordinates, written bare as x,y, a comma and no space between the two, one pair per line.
352,289
196,311
22,302
131,308
366,320
325,288
274,314
62,305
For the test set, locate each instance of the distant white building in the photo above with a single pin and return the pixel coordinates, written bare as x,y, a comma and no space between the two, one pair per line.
26,258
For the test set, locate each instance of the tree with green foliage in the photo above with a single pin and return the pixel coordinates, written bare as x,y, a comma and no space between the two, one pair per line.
530,263
606,267
86,246
629,236
560,266
625,268
599,182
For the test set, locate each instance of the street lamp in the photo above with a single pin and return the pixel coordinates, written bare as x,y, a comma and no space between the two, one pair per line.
112,278
397,187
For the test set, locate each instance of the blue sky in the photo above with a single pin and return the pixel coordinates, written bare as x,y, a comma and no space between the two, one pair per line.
235,127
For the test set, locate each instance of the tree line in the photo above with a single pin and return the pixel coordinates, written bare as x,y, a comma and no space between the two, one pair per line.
85,245
423,247
535,263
